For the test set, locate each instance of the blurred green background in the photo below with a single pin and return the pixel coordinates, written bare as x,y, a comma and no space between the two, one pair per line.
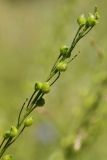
73,123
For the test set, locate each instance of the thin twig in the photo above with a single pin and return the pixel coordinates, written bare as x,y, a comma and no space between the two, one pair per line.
21,113
56,78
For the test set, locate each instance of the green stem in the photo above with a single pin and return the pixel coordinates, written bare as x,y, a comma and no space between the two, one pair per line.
5,147
2,142
73,42
20,113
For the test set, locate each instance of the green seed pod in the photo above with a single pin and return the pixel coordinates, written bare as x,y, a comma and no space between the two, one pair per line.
28,122
45,87
81,20
63,50
38,85
61,66
91,20
13,131
7,157
6,134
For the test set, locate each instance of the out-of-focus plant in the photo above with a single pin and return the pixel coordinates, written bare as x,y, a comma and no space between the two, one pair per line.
24,119
91,123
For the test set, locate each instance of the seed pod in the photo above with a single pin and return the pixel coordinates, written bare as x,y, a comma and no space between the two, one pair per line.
40,102
7,157
28,122
13,131
61,66
91,20
63,50
6,134
38,85
45,87
81,20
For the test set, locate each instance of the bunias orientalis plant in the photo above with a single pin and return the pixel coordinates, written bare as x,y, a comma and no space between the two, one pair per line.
24,119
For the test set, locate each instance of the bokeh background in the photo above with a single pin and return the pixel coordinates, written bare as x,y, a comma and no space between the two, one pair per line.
73,123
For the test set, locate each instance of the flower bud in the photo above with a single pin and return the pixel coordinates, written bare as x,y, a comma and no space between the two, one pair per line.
7,157
13,131
61,66
81,20
45,87
91,20
6,134
63,50
38,85
28,122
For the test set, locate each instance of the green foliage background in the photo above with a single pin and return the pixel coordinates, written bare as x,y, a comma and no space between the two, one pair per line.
31,33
